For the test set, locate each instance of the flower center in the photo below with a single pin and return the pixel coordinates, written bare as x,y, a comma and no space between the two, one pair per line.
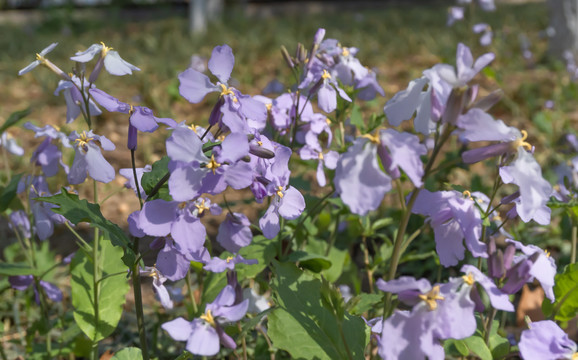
208,317
229,259
431,298
280,191
325,75
105,49
320,156
213,165
373,138
227,91
345,52
467,195
469,279
82,141
202,207
521,142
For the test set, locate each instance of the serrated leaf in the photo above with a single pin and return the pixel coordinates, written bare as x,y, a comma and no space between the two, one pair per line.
313,262
9,192
112,291
303,326
16,269
130,353
13,119
477,345
76,211
566,292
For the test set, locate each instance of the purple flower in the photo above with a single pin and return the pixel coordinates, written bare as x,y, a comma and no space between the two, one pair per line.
19,222
41,60
329,160
193,173
141,117
498,299
455,13
287,203
205,334
8,142
235,232
23,282
465,66
535,191
218,265
74,98
535,263
112,61
233,108
48,157
545,340
439,312
486,31
454,217
88,158
158,287
174,264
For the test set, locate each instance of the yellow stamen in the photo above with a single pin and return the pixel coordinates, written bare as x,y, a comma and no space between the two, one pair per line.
469,279
320,156
467,195
40,58
575,356
213,165
225,90
83,140
345,52
202,207
260,143
269,106
521,142
208,317
105,49
547,253
229,259
325,75
431,298
131,111
193,127
280,191
328,121
373,138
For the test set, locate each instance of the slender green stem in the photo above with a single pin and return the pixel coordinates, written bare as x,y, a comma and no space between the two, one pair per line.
489,322
397,246
574,241
243,342
400,193
95,278
136,184
158,186
332,236
191,294
269,344
367,264
83,244
136,286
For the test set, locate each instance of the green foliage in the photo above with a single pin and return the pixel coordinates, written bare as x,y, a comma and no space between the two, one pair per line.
98,317
303,324
13,119
151,179
565,307
130,353
9,192
261,249
308,261
76,210
14,269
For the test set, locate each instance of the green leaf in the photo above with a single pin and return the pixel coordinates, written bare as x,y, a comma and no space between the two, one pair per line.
130,353
356,118
565,290
313,262
13,119
150,179
9,192
112,290
362,303
16,269
302,325
455,347
477,345
76,210
263,250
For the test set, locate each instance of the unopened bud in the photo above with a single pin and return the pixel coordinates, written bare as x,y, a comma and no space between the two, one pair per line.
287,57
487,102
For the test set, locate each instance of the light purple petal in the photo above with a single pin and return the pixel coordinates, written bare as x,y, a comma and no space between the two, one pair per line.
179,329
403,104
194,86
292,204
203,340
157,216
222,62
115,65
